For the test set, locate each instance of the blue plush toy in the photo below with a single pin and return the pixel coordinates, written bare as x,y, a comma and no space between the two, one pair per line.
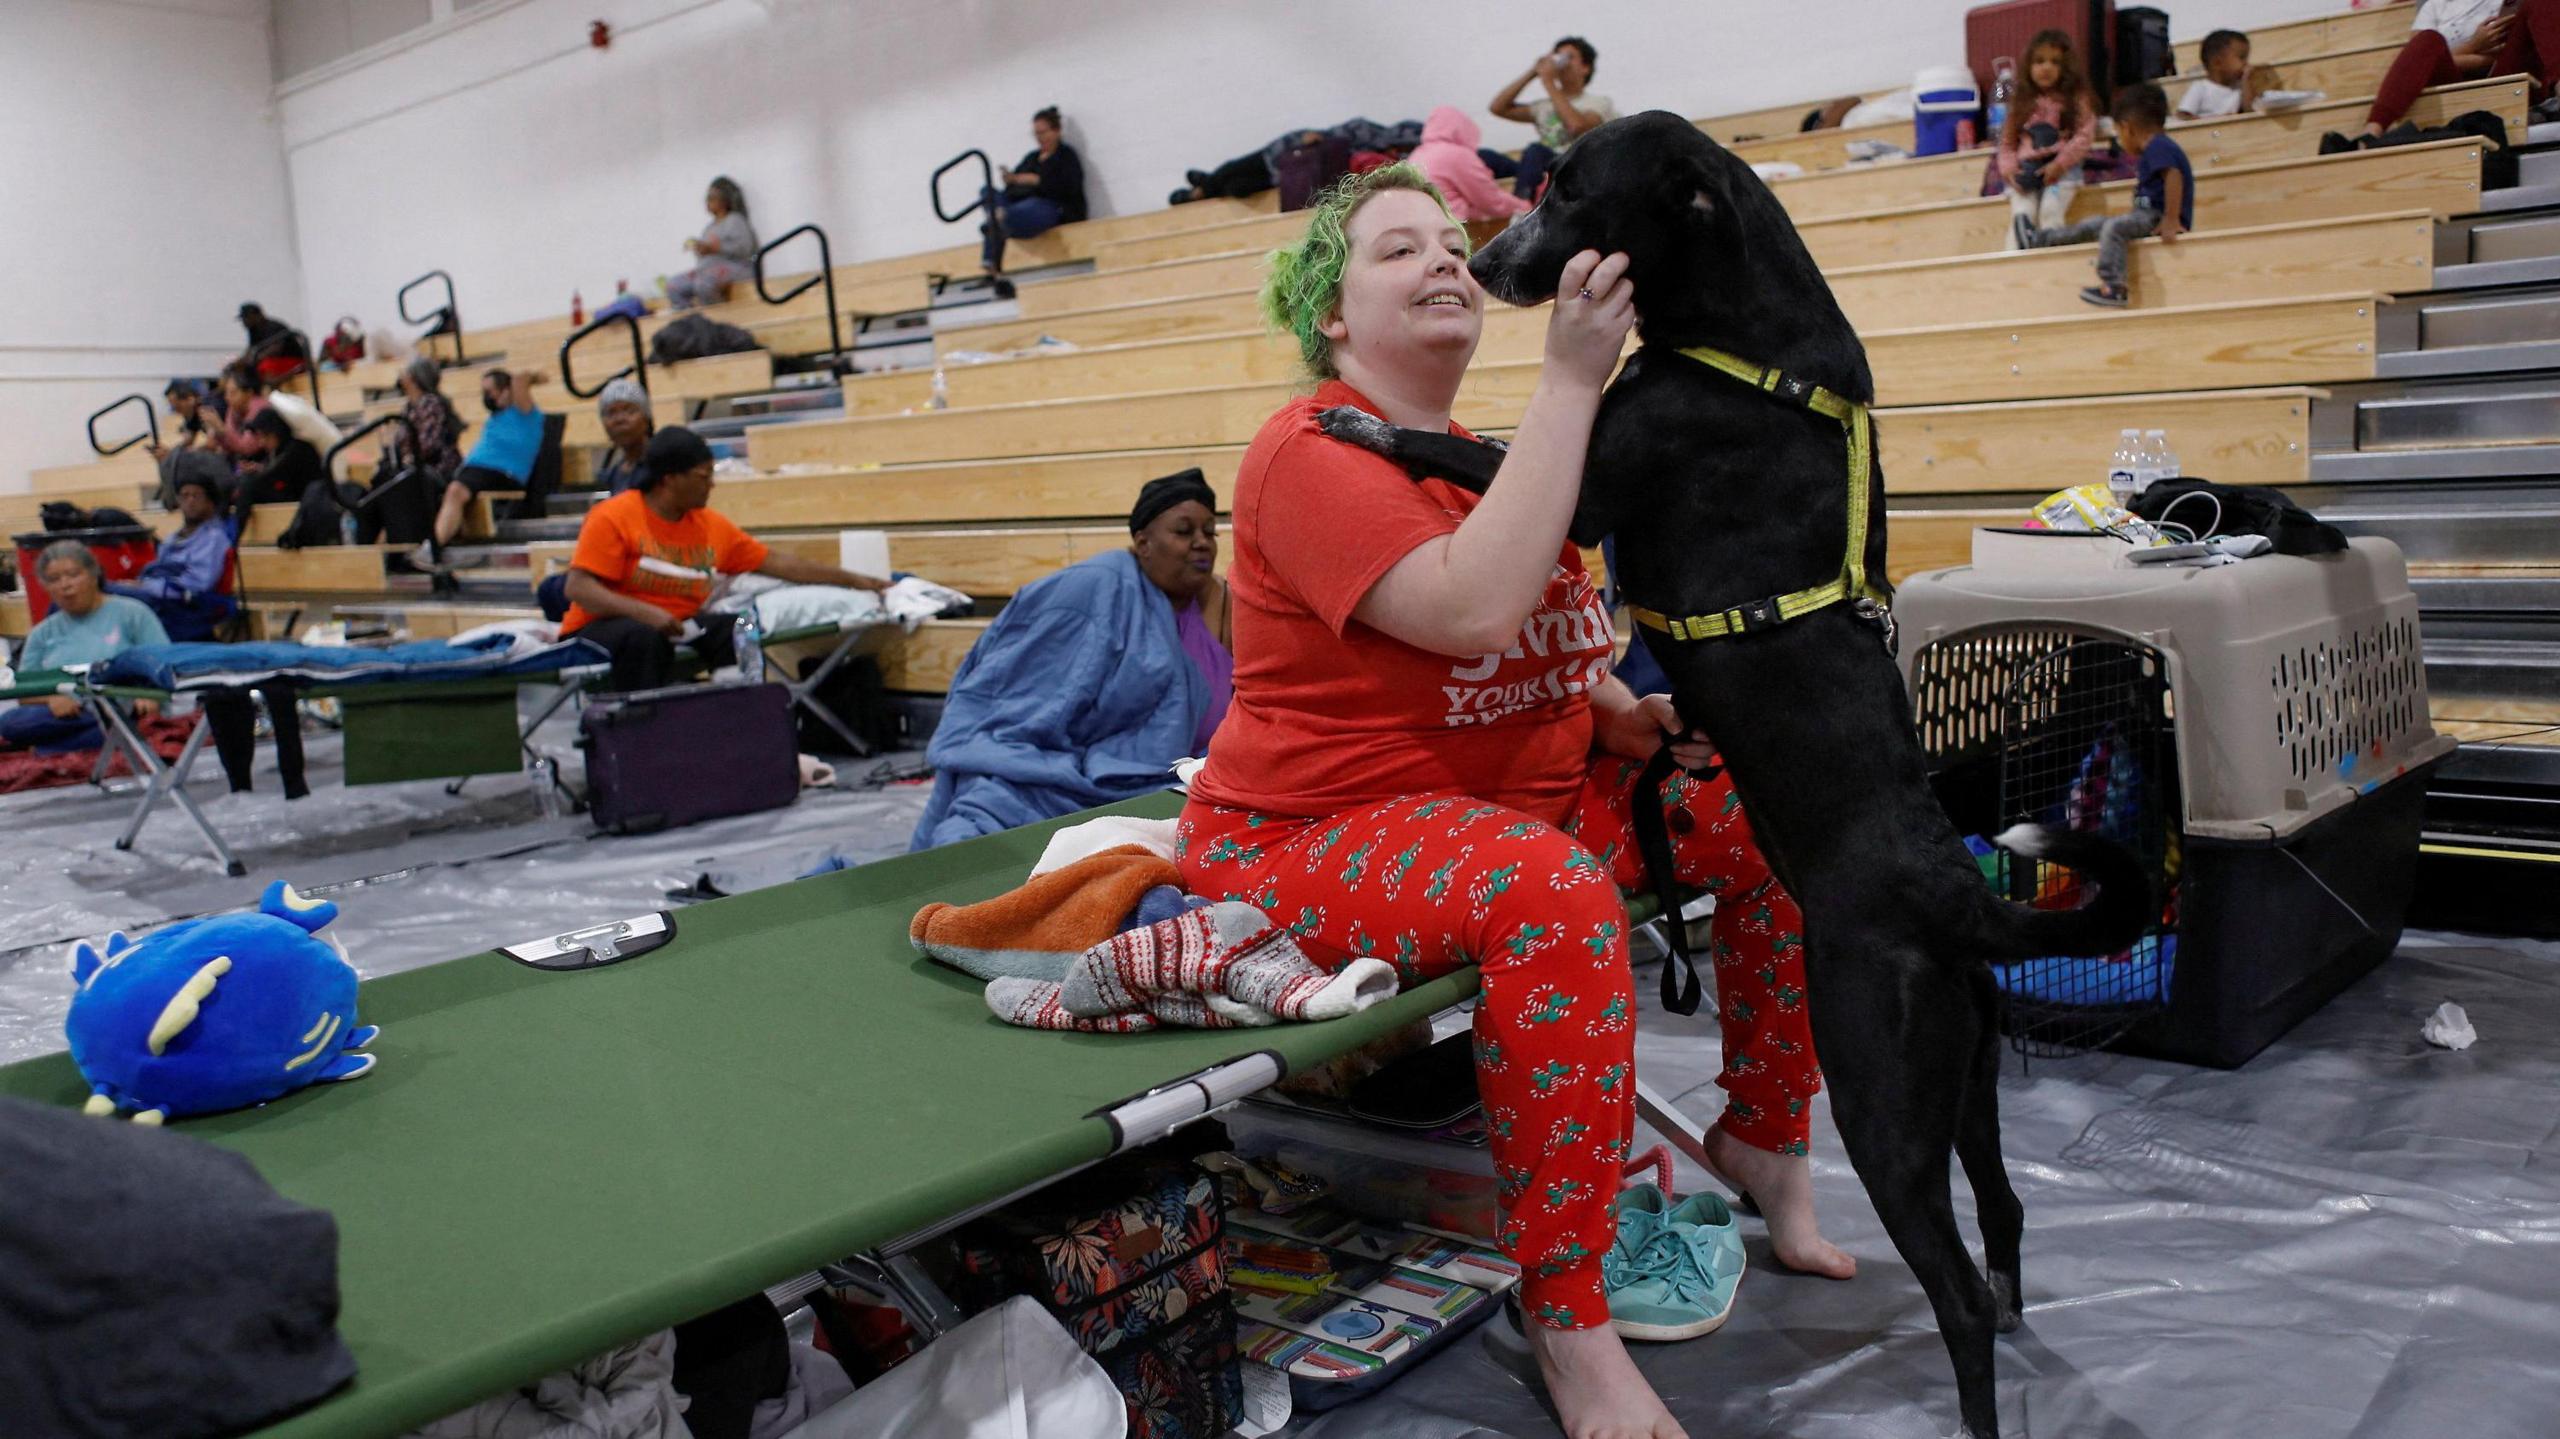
217,1013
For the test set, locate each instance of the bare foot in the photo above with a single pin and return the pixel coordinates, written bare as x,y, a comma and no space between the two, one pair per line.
1598,1392
1782,1186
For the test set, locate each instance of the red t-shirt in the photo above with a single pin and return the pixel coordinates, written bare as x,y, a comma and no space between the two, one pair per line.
1330,714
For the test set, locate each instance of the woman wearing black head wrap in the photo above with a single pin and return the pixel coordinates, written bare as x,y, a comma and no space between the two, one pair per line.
1173,530
1093,681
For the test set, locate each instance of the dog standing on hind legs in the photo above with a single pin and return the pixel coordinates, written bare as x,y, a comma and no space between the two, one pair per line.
1733,460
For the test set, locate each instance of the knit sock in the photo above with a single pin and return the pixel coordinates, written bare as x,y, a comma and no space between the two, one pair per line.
1282,982
1033,1004
1182,955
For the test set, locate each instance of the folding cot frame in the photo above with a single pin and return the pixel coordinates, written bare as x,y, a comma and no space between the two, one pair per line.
551,1162
166,781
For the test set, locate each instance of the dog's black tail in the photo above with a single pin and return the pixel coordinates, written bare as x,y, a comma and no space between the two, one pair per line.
2114,919
1680,993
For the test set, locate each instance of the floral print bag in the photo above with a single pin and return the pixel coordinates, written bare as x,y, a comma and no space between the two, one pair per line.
1128,1257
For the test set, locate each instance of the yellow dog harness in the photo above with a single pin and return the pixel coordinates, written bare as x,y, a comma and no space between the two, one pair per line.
1851,583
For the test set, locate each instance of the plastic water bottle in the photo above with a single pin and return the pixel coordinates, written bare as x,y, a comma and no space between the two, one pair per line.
543,773
747,638
346,527
2004,86
941,391
2124,471
2164,461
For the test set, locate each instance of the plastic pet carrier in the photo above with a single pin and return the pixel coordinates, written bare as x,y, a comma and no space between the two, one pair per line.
2257,733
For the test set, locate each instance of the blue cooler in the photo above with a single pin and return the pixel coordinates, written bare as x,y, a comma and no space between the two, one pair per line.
1945,103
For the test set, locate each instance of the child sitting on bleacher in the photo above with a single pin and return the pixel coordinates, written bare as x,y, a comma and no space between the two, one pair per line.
725,251
2051,125
2229,86
2164,197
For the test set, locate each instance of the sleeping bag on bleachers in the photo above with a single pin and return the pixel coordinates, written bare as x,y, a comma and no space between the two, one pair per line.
1077,695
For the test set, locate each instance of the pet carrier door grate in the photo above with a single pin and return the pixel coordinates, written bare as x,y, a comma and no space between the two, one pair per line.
2085,745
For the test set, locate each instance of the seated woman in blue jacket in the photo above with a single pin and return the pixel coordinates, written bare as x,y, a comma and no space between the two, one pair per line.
1093,681
182,583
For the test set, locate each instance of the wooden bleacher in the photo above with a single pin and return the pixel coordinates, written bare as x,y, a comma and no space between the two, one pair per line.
2387,253
2210,145
2319,37
2441,177
1992,379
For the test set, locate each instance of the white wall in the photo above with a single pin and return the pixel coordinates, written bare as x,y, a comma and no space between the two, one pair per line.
146,200
505,150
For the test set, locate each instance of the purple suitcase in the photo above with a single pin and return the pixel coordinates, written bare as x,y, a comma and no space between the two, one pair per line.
657,759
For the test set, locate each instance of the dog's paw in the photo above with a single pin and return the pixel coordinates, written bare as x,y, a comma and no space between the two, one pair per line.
1355,426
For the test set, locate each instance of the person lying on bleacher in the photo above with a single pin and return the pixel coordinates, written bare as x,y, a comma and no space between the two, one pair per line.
1093,681
181,584
726,250
503,460
87,626
649,558
628,424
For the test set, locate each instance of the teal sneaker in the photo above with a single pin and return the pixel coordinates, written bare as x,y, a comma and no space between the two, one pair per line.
1675,1270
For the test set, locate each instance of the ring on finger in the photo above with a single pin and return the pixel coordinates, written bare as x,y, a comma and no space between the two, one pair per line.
1582,294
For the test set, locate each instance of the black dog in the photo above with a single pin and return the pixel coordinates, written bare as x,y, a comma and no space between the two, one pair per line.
1721,494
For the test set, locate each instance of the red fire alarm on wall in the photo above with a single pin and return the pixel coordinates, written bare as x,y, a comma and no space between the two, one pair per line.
600,35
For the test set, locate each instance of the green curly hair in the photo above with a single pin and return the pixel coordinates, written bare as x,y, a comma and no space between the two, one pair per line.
1302,286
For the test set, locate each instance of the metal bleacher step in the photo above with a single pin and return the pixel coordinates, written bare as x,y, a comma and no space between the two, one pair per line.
2448,522
2508,672
2470,428
2482,251
2468,333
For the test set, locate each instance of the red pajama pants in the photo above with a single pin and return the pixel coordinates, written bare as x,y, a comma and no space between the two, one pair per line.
1431,882
2426,61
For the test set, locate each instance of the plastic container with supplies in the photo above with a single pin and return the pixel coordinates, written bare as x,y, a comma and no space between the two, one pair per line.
1378,1172
657,759
122,551
2258,732
1944,102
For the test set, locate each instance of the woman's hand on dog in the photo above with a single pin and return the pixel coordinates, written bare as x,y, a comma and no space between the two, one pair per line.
1584,337
1639,730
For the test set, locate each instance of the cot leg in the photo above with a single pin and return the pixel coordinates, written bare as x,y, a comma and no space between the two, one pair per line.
169,782
928,1308
804,694
1685,1134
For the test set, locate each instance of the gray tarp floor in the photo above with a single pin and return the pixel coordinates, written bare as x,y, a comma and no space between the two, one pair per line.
2354,1237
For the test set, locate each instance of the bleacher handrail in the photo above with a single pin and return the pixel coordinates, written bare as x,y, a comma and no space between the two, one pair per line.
373,492
304,363
826,276
639,366
150,417
977,200
450,312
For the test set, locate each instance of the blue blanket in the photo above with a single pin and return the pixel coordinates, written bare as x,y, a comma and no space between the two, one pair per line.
1078,695
209,666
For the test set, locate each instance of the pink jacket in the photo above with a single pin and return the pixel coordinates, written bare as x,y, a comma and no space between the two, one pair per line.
2048,111
1448,155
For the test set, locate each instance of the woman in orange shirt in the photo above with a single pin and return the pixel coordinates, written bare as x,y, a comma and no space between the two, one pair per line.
649,558
1427,760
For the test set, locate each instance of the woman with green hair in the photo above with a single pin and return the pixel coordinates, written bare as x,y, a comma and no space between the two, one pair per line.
1428,760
